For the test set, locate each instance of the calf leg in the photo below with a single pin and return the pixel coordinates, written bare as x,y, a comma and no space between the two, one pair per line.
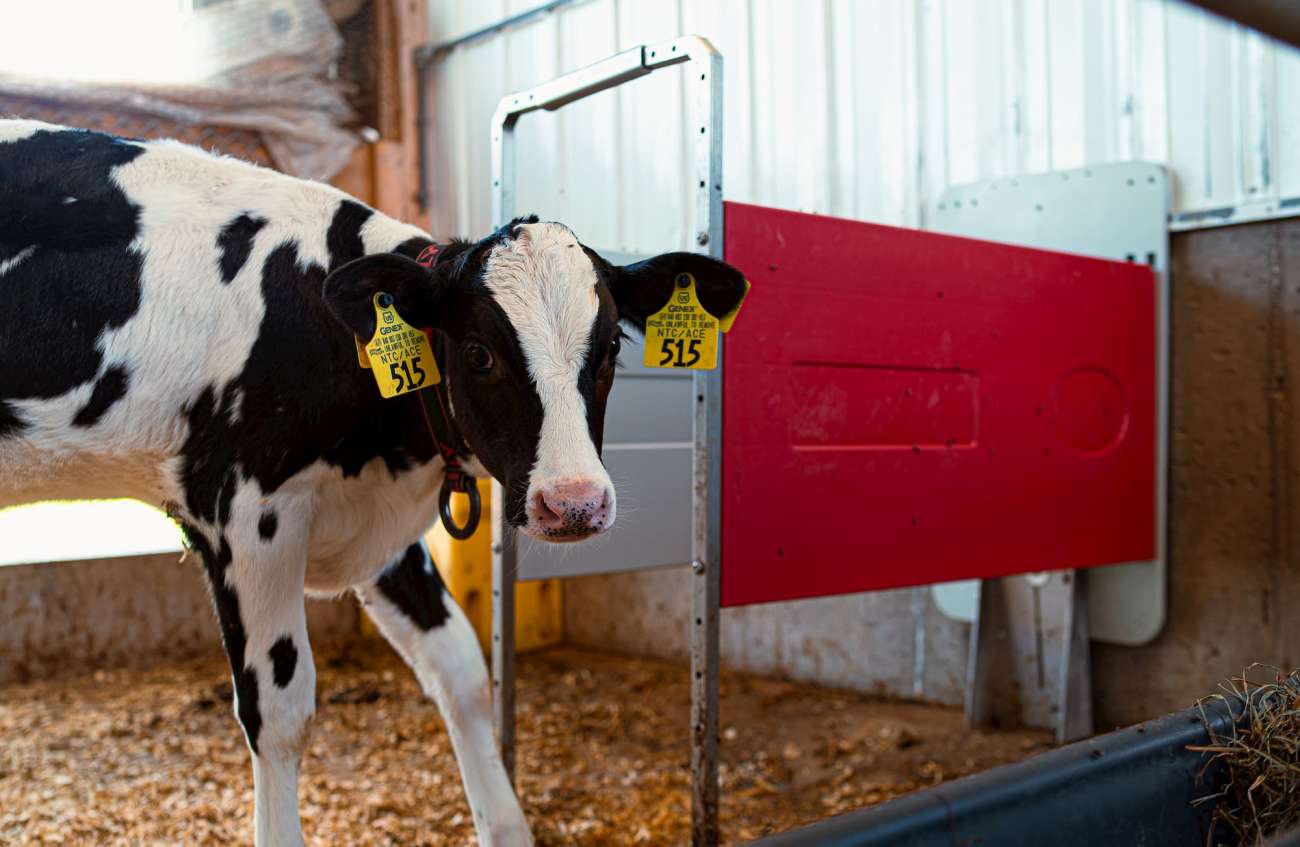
255,569
413,610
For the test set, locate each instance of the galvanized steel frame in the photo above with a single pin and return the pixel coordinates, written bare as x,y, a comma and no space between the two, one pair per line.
704,86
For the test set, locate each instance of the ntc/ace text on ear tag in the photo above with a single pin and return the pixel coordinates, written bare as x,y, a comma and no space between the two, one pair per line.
400,355
682,334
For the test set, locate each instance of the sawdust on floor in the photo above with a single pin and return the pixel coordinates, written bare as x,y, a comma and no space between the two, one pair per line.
155,757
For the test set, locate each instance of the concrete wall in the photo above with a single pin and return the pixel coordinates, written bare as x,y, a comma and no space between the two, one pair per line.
1234,551
71,617
1235,477
865,642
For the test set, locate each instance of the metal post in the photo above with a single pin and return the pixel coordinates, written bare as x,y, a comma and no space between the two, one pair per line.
992,691
988,649
503,630
704,93
705,130
1074,687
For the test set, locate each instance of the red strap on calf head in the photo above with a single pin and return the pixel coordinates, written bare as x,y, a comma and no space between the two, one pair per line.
427,255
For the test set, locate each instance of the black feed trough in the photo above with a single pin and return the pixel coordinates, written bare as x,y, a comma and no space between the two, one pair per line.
1134,786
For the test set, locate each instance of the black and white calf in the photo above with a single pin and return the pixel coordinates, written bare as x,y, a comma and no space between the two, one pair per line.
179,328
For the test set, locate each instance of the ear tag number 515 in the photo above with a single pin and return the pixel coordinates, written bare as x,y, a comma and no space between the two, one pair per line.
398,354
682,334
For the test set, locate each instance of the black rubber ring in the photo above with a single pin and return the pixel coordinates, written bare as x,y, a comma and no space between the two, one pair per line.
470,489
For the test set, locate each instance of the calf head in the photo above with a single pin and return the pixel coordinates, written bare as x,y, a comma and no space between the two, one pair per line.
527,333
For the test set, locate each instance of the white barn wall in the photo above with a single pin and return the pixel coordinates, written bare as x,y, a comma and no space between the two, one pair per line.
864,109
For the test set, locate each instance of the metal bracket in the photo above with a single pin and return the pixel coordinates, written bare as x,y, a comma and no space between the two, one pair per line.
1005,679
704,104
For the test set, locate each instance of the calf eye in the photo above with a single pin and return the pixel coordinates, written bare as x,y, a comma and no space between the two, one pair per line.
478,357
615,346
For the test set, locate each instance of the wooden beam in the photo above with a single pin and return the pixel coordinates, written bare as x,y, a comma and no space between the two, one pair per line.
388,60
358,175
402,26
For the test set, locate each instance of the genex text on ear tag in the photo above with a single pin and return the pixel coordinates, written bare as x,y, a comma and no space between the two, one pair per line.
682,334
400,355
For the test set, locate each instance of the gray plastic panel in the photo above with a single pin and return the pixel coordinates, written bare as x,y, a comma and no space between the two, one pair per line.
653,525
1118,211
648,454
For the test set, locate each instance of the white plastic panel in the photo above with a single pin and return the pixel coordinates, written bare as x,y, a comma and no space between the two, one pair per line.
1113,212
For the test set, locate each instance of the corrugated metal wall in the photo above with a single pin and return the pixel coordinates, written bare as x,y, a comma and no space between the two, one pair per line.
865,108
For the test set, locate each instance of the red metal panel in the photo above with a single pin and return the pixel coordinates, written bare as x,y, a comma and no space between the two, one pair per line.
904,408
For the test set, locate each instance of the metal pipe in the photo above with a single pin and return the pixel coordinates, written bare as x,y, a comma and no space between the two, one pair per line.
426,55
422,134
1278,18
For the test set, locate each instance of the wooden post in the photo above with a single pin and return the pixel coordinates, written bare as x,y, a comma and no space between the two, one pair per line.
401,26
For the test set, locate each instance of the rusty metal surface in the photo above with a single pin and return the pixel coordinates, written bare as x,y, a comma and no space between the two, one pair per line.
63,618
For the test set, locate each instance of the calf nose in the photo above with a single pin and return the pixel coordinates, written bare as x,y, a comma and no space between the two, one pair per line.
572,507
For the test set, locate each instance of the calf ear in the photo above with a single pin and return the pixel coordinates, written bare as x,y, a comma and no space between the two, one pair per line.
643,288
349,292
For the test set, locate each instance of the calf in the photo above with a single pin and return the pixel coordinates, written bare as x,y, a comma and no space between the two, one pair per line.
181,328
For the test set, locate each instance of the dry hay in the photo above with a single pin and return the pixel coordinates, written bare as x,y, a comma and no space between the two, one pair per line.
1258,763
154,757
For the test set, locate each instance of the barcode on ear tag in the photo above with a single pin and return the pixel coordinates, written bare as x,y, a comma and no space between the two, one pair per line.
400,355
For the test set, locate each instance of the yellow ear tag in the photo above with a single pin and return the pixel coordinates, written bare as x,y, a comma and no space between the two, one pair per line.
725,322
399,354
682,334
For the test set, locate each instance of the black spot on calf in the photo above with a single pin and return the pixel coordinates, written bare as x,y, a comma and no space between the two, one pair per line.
69,201
226,601
284,658
300,398
210,455
267,525
81,276
418,592
109,388
235,241
10,421
344,236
